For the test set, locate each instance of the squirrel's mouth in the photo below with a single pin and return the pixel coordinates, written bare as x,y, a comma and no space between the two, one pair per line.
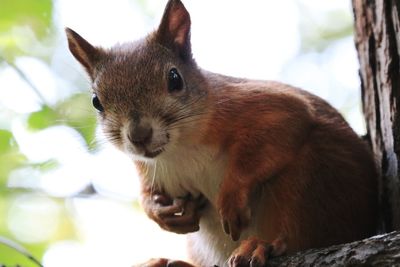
153,154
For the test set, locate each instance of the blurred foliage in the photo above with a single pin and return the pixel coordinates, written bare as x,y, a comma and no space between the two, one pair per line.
318,31
68,112
26,29
83,120
18,20
35,13
10,156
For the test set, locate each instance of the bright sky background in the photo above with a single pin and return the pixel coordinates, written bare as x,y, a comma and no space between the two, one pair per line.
254,39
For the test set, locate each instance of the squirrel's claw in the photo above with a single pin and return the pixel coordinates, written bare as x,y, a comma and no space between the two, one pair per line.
235,213
254,252
234,223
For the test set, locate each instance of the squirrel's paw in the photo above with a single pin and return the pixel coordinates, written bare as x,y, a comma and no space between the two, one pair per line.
180,215
254,252
235,214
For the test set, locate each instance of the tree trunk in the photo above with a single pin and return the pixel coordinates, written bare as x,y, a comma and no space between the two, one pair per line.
377,37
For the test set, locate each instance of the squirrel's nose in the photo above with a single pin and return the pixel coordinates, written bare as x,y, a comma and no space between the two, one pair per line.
140,135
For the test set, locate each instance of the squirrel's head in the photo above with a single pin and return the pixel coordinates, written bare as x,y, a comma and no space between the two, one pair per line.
148,94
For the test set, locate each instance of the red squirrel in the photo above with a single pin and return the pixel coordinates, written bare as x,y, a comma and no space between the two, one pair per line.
247,169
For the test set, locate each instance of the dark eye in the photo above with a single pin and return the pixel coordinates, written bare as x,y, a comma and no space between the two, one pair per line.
175,82
96,103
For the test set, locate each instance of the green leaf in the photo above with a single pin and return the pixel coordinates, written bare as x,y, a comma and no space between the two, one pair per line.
71,112
8,162
11,257
37,14
43,118
10,157
6,141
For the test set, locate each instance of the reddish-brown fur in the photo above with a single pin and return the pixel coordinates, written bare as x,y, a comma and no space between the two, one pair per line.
317,152
279,167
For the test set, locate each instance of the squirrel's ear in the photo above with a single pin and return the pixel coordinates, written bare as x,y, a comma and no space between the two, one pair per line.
174,29
83,51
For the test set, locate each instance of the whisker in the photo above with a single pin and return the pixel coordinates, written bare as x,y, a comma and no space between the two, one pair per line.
183,119
153,179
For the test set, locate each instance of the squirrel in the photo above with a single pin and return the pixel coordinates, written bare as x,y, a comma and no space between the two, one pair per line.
248,169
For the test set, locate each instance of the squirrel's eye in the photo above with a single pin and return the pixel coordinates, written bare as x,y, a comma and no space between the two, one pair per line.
175,82
96,103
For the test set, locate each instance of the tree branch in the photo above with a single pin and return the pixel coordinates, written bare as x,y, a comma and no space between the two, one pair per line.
13,245
381,250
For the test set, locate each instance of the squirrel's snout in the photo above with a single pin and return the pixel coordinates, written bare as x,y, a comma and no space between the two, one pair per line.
140,135
145,138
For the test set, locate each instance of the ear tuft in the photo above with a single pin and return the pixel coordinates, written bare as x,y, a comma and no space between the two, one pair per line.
174,29
83,51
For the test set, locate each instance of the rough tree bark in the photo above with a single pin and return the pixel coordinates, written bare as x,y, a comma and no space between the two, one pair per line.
377,37
383,250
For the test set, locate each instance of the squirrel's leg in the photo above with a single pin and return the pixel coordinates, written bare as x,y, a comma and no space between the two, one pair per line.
249,167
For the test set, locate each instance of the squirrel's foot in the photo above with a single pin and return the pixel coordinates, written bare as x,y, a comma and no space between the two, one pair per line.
254,252
235,214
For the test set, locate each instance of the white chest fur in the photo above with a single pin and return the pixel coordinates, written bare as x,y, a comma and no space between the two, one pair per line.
194,170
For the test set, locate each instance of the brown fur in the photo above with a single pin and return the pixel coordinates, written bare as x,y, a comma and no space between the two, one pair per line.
278,166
